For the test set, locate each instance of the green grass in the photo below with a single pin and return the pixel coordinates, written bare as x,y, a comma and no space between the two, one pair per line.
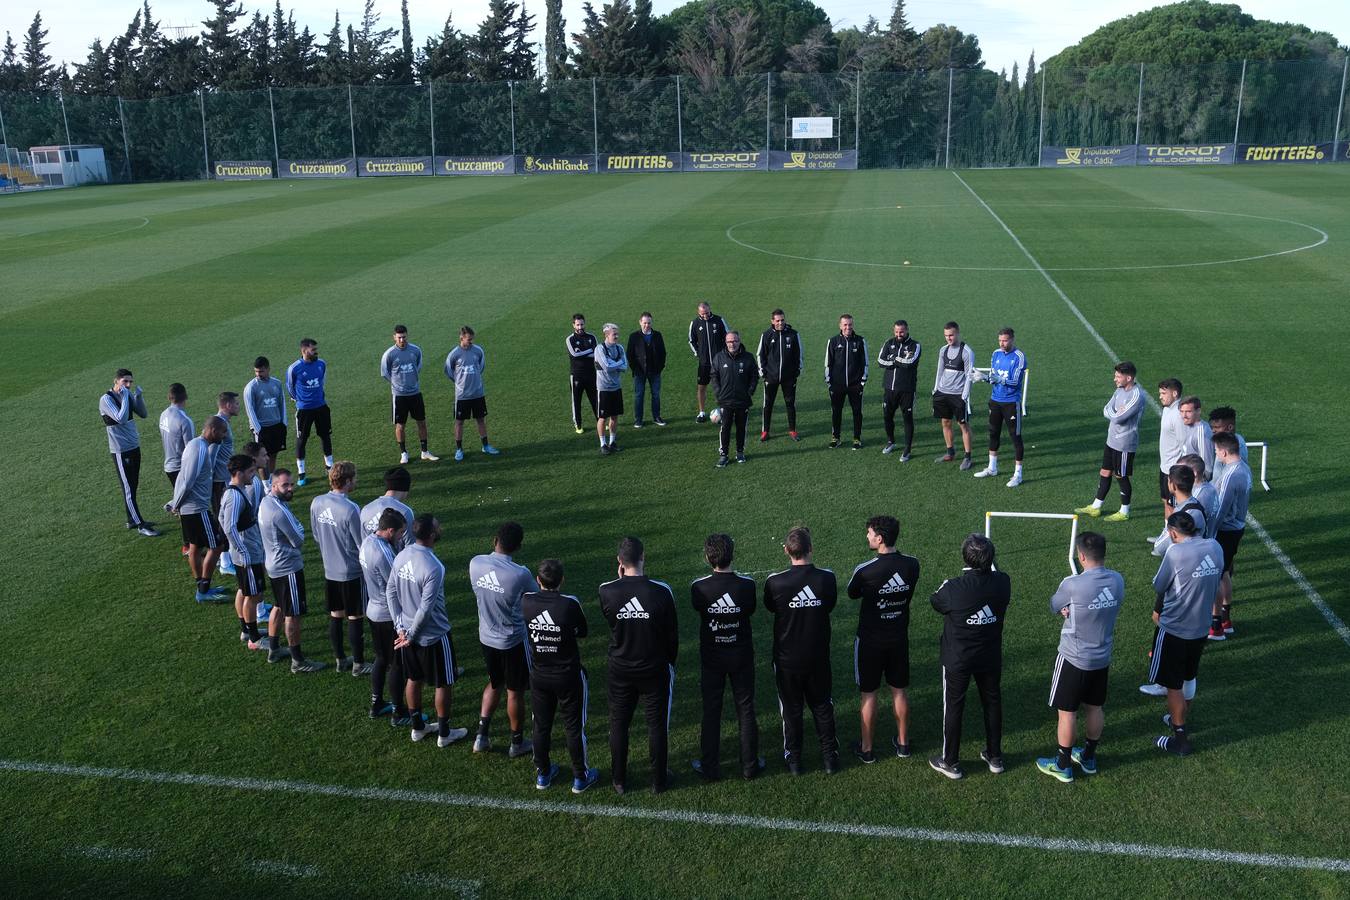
110,664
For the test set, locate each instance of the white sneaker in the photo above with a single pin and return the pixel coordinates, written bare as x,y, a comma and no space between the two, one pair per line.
455,734
986,472
1015,480
482,744
403,458
428,456
1153,690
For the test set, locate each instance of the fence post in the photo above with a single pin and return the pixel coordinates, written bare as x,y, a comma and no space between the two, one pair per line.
4,137
785,121
206,156
857,113
1237,121
595,126
1040,121
679,119
511,90
126,145
1139,105
1335,136
61,97
276,149
431,107
768,111
947,152
351,121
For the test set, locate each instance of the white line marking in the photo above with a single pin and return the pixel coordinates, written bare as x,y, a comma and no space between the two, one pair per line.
277,867
1342,631
880,265
689,817
112,854
467,888
14,237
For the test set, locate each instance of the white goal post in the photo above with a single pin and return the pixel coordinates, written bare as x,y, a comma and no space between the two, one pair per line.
1265,454
989,518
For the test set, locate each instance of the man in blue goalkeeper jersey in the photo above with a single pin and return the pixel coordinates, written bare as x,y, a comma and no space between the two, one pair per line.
1007,369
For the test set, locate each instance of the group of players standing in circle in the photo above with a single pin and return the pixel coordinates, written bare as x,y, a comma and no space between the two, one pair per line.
734,373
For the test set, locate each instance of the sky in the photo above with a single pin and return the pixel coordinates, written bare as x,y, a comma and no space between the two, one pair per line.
1009,30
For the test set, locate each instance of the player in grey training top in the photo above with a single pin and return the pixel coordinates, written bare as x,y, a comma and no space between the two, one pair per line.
397,482
336,523
416,596
1122,412
1198,438
377,562
283,537
118,407
191,502
265,406
1204,493
1089,603
1235,490
464,366
227,407
239,519
400,366
175,430
498,581
1171,443
1186,585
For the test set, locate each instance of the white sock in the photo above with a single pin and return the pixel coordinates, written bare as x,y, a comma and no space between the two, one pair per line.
300,465
1188,689
1125,508
993,463
1017,468
1096,504
328,461
602,441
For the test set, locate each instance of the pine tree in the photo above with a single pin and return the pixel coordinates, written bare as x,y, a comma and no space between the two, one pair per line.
332,66
609,44
38,72
445,56
11,73
402,70
555,41
223,47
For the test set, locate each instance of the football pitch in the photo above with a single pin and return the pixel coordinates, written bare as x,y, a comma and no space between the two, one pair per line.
143,752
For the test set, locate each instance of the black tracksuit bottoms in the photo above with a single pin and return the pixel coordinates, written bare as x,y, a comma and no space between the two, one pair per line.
713,683
954,685
571,696
655,692
799,688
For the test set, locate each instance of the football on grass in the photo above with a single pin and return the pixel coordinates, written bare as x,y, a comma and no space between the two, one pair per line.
715,416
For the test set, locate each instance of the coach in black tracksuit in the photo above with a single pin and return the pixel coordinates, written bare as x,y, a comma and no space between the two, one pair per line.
899,357
554,623
973,606
644,642
780,363
724,602
845,376
707,336
581,346
734,376
801,599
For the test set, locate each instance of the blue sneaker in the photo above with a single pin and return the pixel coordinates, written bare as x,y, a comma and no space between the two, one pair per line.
1089,766
581,785
221,591
226,566
544,780
208,597
301,481
459,454
264,612
1050,766
491,450
384,709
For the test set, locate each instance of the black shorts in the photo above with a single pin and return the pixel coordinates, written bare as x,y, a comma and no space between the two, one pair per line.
1000,413
901,400
345,597
1164,492
217,493
610,405
1228,542
870,662
289,593
273,438
507,668
173,477
950,406
1070,687
200,529
411,405
433,664
1175,660
320,419
470,409
251,579
1119,463
705,373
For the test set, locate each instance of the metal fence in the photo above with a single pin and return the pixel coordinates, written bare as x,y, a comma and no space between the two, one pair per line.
934,118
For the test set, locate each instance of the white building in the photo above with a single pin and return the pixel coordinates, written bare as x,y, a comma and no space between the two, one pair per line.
70,164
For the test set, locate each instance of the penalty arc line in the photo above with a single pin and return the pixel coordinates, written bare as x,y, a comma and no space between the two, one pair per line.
690,817
1297,576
